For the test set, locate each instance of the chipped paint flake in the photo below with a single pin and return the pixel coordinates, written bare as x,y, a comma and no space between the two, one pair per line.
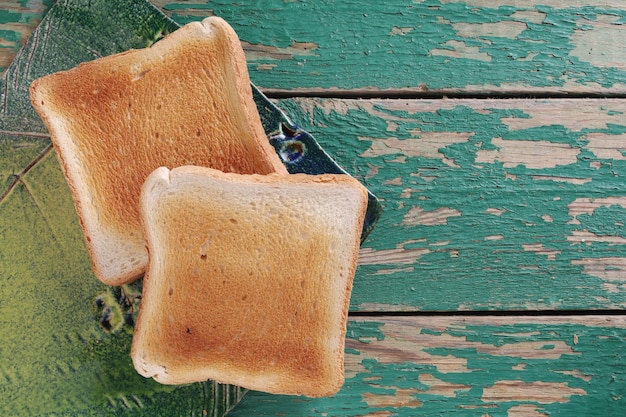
495,211
575,372
612,288
401,398
597,46
394,181
539,249
432,142
424,144
403,31
447,364
418,216
532,154
265,67
459,49
257,52
442,388
539,392
399,255
353,365
585,236
585,205
608,268
502,29
528,350
532,16
408,192
605,146
575,181
589,115
526,410
396,350
390,146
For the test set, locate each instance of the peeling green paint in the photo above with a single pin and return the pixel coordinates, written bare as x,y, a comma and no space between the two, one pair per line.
429,45
510,235
605,221
554,372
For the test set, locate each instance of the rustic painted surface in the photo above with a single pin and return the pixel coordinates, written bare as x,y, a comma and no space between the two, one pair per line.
504,205
476,46
488,204
489,366
428,45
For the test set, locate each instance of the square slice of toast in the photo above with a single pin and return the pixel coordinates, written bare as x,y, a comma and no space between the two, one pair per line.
249,278
186,100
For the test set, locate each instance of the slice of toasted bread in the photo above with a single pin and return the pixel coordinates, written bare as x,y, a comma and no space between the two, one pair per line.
249,278
186,100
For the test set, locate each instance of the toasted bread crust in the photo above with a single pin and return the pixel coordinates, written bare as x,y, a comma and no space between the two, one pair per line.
186,100
249,279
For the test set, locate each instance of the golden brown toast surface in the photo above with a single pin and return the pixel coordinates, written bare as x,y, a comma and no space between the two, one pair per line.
186,100
249,279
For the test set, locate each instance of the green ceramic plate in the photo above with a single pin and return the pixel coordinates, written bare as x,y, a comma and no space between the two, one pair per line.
64,336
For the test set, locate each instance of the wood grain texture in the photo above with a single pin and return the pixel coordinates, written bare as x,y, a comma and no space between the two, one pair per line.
481,366
430,46
427,46
488,204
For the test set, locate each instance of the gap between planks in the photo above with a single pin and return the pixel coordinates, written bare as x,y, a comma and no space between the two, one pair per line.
417,94
489,313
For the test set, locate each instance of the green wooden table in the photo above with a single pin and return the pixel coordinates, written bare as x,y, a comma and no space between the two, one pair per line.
494,133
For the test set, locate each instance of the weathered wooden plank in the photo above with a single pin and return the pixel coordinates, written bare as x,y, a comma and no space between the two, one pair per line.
399,46
488,204
422,46
479,366
18,19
